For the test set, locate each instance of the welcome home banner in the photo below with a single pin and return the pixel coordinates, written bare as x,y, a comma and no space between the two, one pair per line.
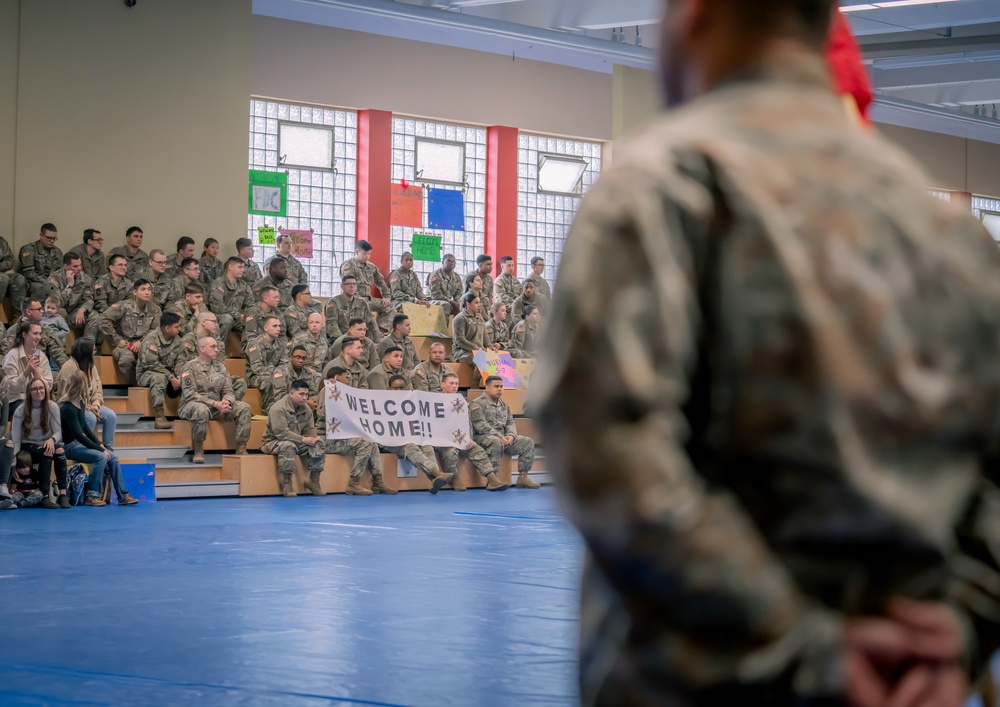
397,417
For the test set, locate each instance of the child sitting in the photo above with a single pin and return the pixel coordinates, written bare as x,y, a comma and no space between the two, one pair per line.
25,486
54,321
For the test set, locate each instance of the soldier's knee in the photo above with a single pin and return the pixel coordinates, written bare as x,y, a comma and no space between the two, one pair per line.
199,412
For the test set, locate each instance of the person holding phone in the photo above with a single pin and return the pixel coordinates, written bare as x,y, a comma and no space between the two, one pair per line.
25,362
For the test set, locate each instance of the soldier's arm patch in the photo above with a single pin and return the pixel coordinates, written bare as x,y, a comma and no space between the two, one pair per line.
252,349
278,374
249,317
221,289
420,373
152,348
185,374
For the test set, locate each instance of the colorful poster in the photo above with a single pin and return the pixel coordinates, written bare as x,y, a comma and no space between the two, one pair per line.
446,209
407,206
302,242
426,321
498,363
426,248
268,193
265,235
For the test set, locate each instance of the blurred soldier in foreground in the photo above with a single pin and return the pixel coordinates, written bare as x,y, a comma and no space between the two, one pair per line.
777,431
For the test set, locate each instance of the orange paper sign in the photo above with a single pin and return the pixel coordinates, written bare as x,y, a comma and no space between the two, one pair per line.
407,206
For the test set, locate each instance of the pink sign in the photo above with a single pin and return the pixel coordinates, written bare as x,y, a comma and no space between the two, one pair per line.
302,242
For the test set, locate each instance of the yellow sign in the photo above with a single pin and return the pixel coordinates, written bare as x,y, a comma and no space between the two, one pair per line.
426,321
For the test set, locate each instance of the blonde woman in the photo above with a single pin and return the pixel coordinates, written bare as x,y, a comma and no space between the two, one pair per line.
81,445
81,359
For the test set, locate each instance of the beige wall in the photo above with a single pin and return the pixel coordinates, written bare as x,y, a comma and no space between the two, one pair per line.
131,116
636,101
314,64
9,32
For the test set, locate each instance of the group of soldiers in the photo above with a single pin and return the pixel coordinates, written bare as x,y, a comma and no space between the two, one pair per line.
168,319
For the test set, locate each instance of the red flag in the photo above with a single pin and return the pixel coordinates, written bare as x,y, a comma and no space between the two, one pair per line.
844,57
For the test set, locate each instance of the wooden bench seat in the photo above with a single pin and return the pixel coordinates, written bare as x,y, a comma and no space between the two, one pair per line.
141,401
221,435
423,345
111,376
468,375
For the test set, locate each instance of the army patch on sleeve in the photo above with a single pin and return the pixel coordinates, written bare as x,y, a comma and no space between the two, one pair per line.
185,374
152,348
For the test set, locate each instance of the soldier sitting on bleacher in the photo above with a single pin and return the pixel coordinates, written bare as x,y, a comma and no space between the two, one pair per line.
157,359
265,353
494,430
392,365
125,323
190,272
11,281
32,311
498,327
428,374
421,456
111,288
400,337
350,359
206,325
253,317
74,289
467,330
313,338
277,277
229,297
161,283
450,456
291,431
342,309
296,368
189,306
525,339
356,329
39,260
302,306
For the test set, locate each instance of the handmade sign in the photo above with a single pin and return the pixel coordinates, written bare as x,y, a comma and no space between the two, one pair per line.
268,193
406,206
426,248
446,209
265,235
426,321
498,363
397,417
302,242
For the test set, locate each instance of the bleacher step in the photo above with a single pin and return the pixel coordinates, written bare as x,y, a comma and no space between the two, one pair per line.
197,489
150,452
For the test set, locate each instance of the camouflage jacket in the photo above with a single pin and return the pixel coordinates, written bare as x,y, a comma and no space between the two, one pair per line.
357,372
445,287
296,271
163,287
378,377
38,263
410,358
517,309
157,354
467,334
253,319
189,352
341,310
72,297
251,272
369,352
211,270
524,340
542,286
284,375
205,383
405,287
107,293
296,318
6,257
497,333
287,423
189,320
779,409
486,297
318,348
367,275
230,298
264,356
124,322
138,262
508,289
491,418
284,289
427,377
95,265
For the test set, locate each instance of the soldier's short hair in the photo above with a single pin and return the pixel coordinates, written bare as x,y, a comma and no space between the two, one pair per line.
139,283
300,347
299,384
169,319
395,378
131,230
468,299
69,258
242,243
183,242
529,282
363,245
335,371
298,290
27,302
392,349
266,289
48,227
436,344
314,314
282,236
483,258
89,234
267,318
537,259
115,258
203,341
399,319
233,261
505,258
348,340
528,309
448,374
355,322
346,278
156,251
446,256
406,254
189,261
491,379
278,259
194,288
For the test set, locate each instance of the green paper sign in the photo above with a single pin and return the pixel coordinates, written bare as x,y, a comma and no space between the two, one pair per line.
426,247
268,193
265,235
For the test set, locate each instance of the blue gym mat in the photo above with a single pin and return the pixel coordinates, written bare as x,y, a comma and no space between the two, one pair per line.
460,599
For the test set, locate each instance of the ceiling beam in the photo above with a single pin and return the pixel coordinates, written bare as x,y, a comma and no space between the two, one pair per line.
967,94
924,18
949,73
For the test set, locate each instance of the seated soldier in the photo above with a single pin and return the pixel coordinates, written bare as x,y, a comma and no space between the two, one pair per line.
251,270
111,288
296,368
126,323
313,338
446,285
421,456
206,325
365,452
277,277
498,327
494,430
467,330
506,287
405,285
346,307
526,333
291,432
298,313
264,354
357,329
253,317
400,337
349,359
427,375
207,394
529,296
392,365
190,271
229,297
189,306
155,368
74,289
161,281
477,455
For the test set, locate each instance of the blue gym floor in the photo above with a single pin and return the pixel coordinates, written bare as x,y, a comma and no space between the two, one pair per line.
460,599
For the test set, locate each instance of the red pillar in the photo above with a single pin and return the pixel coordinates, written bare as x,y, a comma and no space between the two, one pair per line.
374,180
501,194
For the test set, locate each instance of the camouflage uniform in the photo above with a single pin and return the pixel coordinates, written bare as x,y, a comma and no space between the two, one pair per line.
296,271
14,281
427,377
340,311
106,293
541,285
262,358
189,352
95,265
405,287
450,457
378,377
251,272
189,320
487,294
211,270
497,333
49,345
467,334
369,275
72,298
522,344
253,319
778,411
177,287
124,323
36,265
163,287
284,289
367,456
284,375
296,318
286,427
517,309
491,421
421,456
228,301
410,358
369,353
203,384
317,348
445,288
357,373
508,289
157,360
138,263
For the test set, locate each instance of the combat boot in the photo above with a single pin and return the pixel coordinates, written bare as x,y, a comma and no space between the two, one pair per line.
286,486
354,488
313,484
199,453
523,482
241,450
438,480
495,484
161,423
378,486
456,483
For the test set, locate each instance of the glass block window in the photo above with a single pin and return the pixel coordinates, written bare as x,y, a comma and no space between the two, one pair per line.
466,245
321,197
543,218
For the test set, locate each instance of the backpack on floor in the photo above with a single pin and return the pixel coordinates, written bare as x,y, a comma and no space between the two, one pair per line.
76,484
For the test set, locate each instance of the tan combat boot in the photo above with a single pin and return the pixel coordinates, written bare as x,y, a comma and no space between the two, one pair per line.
495,484
313,484
199,453
241,450
523,482
161,423
354,488
438,480
456,483
378,486
286,486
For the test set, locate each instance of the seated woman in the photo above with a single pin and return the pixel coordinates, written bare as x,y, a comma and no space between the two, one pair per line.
81,445
81,359
36,428
474,284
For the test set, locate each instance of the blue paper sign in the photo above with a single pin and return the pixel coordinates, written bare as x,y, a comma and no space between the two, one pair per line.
446,209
